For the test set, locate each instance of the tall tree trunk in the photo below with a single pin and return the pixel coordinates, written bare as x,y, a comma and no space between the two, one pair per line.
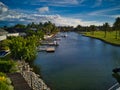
92,32
119,33
116,34
105,34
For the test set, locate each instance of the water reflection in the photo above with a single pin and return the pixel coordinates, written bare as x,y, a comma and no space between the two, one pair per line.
79,63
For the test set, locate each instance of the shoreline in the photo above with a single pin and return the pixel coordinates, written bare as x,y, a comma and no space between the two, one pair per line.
34,80
114,44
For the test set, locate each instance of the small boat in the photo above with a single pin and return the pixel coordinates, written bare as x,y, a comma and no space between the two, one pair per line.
64,35
58,39
4,53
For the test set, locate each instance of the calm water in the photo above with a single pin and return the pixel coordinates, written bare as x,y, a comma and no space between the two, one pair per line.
79,63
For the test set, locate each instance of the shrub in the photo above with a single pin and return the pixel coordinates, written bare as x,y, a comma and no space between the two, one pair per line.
6,66
5,82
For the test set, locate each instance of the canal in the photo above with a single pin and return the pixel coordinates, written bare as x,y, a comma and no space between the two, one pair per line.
79,63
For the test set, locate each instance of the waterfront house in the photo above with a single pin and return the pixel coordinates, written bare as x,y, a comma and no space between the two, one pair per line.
12,34
3,34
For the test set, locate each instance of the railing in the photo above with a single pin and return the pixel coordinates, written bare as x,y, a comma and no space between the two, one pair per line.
114,87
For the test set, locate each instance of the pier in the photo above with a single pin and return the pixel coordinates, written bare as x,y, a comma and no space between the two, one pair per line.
50,49
49,44
46,49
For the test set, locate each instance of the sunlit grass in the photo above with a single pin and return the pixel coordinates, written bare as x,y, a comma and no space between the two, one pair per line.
110,36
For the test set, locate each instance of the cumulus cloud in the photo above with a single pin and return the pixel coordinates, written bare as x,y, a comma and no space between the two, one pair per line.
43,9
15,16
63,21
3,8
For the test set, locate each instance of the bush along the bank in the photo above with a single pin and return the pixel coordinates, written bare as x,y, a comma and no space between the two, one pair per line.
5,82
23,48
7,66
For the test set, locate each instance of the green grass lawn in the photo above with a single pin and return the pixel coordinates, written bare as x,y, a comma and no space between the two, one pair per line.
110,37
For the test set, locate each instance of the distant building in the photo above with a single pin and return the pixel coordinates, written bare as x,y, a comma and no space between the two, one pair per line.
34,29
22,34
3,37
12,34
3,34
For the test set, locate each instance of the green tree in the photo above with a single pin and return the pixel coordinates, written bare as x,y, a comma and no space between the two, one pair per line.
79,27
106,27
92,28
19,26
116,26
23,48
4,45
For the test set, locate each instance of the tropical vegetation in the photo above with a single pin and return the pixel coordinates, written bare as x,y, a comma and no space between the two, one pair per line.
107,33
21,48
5,82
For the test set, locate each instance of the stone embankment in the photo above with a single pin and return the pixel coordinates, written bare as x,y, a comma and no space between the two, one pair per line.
34,80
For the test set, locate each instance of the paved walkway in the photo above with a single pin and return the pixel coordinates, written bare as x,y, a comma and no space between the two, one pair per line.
19,82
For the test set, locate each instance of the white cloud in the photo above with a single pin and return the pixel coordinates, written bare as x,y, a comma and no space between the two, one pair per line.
12,15
104,11
63,21
98,3
3,8
68,2
115,16
43,9
61,3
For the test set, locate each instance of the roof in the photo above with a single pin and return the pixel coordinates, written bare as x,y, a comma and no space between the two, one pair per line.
2,30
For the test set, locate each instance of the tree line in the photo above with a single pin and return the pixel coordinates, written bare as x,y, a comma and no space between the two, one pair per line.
92,28
24,48
46,28
105,27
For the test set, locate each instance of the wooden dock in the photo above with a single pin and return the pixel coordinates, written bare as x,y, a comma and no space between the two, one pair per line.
41,48
18,82
50,49
47,49
50,43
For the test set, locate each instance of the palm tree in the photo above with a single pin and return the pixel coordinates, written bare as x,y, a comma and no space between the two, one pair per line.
106,27
116,26
92,29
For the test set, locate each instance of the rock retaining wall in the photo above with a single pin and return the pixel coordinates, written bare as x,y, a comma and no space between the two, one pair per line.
34,80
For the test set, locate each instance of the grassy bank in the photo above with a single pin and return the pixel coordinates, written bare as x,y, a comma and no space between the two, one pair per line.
110,37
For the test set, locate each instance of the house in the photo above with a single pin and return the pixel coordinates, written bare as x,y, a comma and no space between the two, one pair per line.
3,37
3,34
23,34
12,34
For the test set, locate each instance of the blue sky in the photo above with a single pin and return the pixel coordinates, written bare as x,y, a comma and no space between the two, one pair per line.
60,12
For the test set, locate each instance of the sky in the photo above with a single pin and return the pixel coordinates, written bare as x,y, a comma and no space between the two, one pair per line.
60,12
